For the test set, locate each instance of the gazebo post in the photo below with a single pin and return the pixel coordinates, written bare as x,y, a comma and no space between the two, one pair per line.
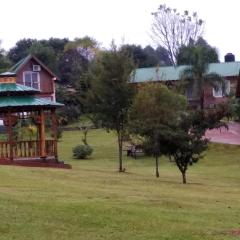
42,135
10,135
54,131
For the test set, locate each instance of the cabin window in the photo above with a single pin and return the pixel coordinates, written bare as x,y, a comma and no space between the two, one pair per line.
31,79
218,91
228,87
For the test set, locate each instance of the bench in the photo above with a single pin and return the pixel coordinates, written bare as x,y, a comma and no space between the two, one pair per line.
133,150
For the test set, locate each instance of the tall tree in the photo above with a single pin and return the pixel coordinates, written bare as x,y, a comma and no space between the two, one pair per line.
111,95
185,142
187,54
21,49
136,52
163,56
5,63
154,112
172,30
196,76
46,54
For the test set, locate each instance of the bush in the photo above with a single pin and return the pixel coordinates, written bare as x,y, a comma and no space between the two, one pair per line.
82,151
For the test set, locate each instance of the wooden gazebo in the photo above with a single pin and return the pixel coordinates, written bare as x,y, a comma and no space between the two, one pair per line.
19,103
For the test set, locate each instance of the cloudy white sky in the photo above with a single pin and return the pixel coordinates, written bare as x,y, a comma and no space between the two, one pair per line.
113,19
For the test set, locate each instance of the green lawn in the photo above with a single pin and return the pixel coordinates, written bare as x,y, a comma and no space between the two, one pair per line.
93,201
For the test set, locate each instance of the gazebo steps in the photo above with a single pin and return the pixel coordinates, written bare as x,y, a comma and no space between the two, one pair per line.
35,163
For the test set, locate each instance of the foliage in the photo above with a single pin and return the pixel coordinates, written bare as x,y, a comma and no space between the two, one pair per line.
196,77
186,142
187,54
46,54
111,95
59,133
82,151
25,130
72,67
154,111
148,56
173,30
5,62
87,46
234,108
21,49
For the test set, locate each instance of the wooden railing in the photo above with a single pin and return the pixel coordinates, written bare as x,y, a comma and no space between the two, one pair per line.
4,150
27,149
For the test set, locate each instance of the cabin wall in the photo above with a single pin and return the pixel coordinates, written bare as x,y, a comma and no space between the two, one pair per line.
46,82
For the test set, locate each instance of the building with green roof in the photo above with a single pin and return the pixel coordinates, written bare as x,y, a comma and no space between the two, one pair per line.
170,75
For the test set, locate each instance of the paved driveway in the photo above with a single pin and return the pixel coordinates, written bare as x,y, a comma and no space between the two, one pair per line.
230,136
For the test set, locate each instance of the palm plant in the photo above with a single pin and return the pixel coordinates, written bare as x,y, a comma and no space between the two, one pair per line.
196,77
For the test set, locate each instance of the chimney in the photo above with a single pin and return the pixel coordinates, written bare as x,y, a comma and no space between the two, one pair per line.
7,77
229,57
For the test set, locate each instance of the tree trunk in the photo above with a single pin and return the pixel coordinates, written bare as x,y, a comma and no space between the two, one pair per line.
157,171
202,100
184,177
120,151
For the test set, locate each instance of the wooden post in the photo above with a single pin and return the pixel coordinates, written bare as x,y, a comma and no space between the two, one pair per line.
54,132
42,135
10,135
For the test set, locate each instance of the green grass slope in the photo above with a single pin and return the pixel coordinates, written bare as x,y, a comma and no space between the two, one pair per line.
94,202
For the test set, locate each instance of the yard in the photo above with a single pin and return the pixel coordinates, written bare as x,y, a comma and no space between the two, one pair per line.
93,201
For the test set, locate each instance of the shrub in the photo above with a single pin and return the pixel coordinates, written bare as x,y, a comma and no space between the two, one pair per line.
82,151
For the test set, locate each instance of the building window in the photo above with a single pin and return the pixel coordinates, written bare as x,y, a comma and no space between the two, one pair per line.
218,91
31,79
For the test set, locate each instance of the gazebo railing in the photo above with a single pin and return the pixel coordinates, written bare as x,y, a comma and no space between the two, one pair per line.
4,150
27,149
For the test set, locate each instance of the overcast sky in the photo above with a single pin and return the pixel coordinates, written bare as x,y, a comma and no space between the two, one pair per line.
114,19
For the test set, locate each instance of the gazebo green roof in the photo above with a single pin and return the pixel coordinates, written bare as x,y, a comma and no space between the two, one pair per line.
16,89
26,101
15,96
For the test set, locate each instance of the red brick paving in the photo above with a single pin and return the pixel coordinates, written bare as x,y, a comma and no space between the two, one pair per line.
230,136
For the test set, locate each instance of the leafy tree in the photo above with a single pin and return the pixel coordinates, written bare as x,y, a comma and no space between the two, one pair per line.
196,77
5,63
137,54
111,95
172,30
185,142
21,50
46,54
86,43
154,111
72,66
187,54
148,56
163,56
58,45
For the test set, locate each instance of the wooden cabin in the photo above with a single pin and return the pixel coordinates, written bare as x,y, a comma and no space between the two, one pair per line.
31,72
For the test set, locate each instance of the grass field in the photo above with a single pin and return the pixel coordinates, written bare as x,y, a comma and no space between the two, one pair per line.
93,201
